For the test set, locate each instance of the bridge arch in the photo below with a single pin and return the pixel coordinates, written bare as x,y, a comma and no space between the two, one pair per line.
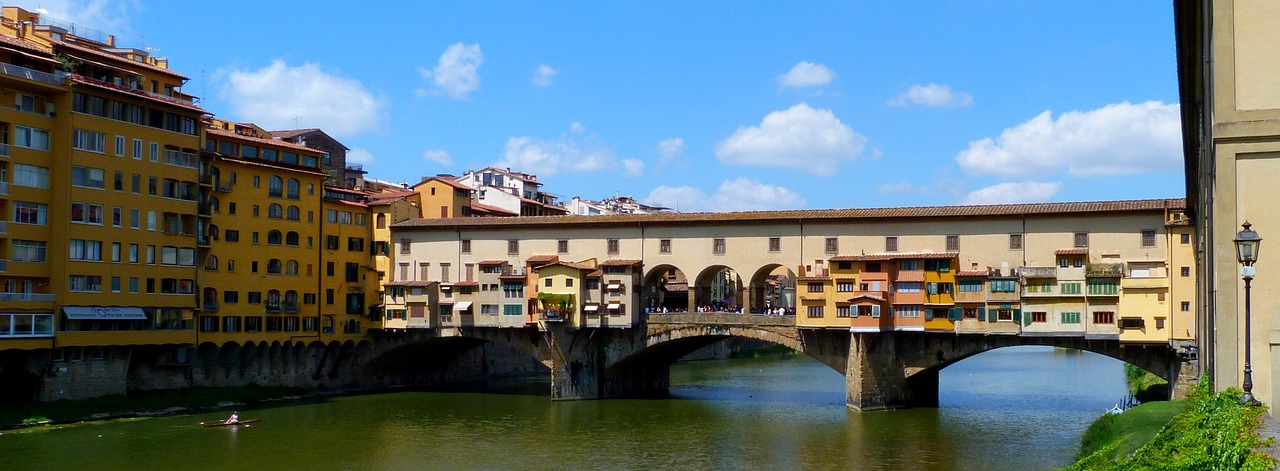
772,286
665,286
718,288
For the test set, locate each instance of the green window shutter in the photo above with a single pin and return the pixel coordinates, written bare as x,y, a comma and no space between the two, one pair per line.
1017,316
955,313
1025,320
928,314
992,315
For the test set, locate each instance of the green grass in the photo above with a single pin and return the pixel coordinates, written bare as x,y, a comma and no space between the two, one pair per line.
1134,428
26,413
1210,432
1144,386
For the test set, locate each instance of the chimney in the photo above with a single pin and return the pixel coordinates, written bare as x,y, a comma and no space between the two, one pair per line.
111,40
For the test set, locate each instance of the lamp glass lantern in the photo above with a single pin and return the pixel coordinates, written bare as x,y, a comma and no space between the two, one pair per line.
1247,245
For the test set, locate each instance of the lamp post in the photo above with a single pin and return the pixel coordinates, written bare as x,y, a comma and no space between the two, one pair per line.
1247,245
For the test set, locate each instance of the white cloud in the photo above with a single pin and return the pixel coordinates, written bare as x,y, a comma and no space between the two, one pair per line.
1117,139
360,156
932,95
1013,192
669,150
807,74
105,16
456,73
281,97
437,156
800,138
577,128
739,194
632,167
548,158
543,74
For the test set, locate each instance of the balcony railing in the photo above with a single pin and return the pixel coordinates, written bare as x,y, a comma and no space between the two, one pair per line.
224,187
1113,270
30,74
181,159
29,297
273,307
1038,272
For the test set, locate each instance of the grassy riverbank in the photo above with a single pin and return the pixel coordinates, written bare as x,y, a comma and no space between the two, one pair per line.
1207,431
160,402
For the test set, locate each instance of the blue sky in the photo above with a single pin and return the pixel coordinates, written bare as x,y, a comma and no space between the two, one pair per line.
703,105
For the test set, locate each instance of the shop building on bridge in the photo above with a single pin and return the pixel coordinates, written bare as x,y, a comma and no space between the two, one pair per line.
1100,270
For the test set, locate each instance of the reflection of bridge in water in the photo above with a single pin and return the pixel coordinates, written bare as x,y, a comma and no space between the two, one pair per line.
881,369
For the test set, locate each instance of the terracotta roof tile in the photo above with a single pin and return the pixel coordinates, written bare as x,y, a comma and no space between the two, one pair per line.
467,283
813,278
77,78
810,215
292,133
894,256
273,142
543,259
258,163
415,284
121,60
1075,251
972,273
491,210
573,265
621,263
489,263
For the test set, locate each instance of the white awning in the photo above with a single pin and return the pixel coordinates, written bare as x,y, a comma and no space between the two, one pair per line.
614,306
104,313
591,307
613,286
461,306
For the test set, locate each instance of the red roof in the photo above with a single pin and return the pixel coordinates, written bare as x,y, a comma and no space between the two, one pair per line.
1075,251
621,263
409,283
122,62
77,78
273,142
982,273
895,256
543,259
490,263
484,208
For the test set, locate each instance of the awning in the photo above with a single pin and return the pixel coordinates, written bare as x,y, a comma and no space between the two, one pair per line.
591,307
614,306
104,313
30,55
613,286
462,306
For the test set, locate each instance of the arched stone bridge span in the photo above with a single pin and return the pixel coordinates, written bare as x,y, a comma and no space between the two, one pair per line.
882,370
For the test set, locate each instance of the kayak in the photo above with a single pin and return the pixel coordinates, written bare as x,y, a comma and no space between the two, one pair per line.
226,424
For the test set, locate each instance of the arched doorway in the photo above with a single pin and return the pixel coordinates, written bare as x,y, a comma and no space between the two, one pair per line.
773,286
719,289
666,289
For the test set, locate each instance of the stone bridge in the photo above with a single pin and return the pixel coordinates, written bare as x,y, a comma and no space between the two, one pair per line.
882,370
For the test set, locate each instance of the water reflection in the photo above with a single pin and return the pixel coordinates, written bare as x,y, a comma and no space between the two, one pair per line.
1020,409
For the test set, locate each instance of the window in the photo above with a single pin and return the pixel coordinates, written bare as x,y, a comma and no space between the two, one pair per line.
891,244
86,213
815,287
717,246
547,282
815,311
1015,241
120,146
466,245
1104,317
1082,239
970,286
1186,306
909,287
355,244
444,273
909,265
1003,286
832,245
155,151
953,243
512,310
1185,239
232,235
907,311
1071,288
27,251
664,246
275,211
137,149
513,247
1039,317
31,138
133,253
1131,323
1103,287
331,243
274,238
88,250
31,176
92,141
1149,238
117,183
30,213
116,249
353,272
275,187
404,246
85,283
775,244
568,282
292,189
1070,318
1186,271
844,287
291,239
844,311
612,246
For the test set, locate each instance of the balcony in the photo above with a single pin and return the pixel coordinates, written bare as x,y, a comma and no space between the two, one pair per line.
31,74
1144,282
289,308
1107,270
181,159
1038,272
273,307
29,297
224,187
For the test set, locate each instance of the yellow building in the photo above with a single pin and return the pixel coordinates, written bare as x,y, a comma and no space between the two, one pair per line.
99,194
261,272
350,302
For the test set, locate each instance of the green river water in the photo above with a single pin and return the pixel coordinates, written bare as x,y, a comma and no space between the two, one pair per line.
1011,409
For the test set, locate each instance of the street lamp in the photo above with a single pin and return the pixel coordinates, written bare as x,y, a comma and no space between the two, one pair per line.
1247,244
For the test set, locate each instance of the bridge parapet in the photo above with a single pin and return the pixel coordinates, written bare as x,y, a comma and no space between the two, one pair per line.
721,318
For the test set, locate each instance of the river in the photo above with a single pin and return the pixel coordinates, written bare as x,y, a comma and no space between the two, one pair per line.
1020,408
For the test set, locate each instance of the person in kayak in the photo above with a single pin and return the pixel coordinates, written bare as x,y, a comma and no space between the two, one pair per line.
234,419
